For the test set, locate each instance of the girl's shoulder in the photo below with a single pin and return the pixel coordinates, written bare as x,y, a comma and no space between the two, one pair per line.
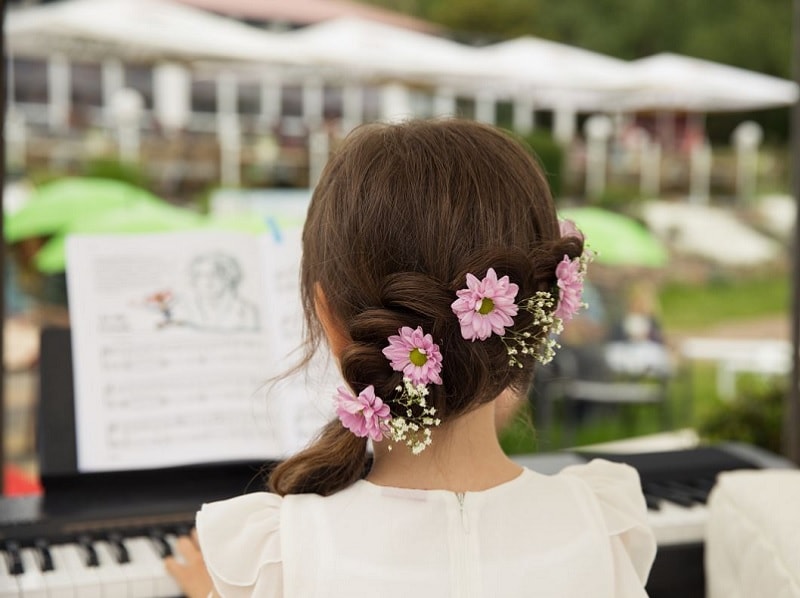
615,491
240,538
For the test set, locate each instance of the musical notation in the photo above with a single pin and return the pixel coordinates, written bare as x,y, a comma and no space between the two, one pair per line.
183,357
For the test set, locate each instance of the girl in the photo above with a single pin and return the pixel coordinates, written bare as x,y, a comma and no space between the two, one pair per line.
437,271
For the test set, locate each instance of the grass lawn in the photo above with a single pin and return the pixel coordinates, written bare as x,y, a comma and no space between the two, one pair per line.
693,307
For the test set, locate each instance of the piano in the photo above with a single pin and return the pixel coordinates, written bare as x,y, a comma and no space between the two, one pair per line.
104,534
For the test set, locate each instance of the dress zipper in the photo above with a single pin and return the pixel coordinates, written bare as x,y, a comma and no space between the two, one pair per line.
460,496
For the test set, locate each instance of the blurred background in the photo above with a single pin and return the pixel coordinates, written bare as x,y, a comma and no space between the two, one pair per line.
664,129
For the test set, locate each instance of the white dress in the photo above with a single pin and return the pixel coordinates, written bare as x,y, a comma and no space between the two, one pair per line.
580,533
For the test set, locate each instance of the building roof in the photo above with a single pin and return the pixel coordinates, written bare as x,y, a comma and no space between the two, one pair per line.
306,12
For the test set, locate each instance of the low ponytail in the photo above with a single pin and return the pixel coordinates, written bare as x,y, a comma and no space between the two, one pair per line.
336,459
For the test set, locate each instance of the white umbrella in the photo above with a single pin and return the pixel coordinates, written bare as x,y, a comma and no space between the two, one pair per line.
555,74
368,49
674,82
148,30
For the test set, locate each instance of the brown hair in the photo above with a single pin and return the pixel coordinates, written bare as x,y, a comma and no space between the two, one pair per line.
401,214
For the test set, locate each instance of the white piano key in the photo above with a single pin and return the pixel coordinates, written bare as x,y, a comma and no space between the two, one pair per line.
674,524
85,580
138,581
113,580
145,559
31,580
172,540
9,586
59,581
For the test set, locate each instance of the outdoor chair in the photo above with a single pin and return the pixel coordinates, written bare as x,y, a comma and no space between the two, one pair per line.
584,380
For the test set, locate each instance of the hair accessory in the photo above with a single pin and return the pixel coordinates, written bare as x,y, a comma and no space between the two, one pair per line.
416,355
413,353
487,307
364,415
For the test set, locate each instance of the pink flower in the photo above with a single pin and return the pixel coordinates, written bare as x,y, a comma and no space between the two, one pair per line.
416,355
364,415
485,306
570,288
567,228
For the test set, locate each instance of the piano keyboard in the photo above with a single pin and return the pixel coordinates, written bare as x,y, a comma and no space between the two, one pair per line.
112,566
677,512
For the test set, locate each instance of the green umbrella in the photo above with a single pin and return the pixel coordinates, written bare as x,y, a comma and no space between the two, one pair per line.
618,240
143,217
54,206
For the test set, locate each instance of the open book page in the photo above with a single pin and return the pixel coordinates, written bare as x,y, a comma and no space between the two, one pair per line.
175,339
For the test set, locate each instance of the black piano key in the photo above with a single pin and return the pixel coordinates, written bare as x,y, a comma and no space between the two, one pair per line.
652,502
89,553
15,566
698,494
665,492
705,484
160,542
42,548
119,549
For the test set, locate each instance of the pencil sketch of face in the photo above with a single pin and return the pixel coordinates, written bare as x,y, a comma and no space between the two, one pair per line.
215,275
216,304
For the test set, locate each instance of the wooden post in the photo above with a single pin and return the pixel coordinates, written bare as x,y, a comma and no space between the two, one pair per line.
791,418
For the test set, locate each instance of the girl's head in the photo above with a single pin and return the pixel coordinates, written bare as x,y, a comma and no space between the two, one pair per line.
401,214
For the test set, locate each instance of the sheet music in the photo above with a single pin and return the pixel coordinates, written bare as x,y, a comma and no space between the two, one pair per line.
175,339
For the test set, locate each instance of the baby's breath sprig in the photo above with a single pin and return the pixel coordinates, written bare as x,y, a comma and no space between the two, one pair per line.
540,343
414,419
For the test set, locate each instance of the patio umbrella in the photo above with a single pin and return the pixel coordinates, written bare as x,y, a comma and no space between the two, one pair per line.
53,207
618,240
674,82
145,217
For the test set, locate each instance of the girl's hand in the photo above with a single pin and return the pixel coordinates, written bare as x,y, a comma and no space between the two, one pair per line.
189,568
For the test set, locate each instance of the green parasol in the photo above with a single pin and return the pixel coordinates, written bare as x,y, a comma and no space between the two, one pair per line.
143,217
618,240
55,206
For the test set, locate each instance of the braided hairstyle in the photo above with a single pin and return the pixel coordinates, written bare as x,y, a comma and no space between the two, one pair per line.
401,214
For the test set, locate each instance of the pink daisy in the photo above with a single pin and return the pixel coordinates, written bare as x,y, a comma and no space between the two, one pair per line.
364,415
485,306
570,288
567,228
416,355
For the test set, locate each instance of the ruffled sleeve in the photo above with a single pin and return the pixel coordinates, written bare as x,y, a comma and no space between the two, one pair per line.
619,495
241,544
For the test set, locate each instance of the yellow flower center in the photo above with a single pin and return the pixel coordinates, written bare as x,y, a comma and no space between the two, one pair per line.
486,306
417,357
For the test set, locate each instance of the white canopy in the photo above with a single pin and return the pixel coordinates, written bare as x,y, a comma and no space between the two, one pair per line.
369,49
554,74
674,82
147,30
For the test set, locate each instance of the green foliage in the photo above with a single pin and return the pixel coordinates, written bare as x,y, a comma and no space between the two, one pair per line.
755,416
514,18
550,156
616,197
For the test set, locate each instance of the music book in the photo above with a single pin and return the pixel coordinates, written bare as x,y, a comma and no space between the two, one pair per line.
176,341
